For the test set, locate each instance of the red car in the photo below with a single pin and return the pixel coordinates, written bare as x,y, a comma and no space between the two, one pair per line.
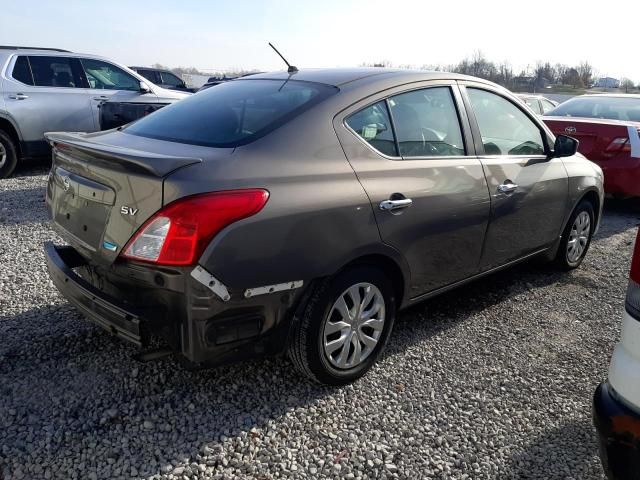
608,128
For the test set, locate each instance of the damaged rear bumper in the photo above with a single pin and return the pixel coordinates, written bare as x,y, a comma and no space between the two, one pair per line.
107,312
187,309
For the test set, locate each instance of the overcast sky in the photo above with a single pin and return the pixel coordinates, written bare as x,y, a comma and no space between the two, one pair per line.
226,35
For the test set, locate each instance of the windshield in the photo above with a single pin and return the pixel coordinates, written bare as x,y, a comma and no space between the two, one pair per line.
233,113
612,108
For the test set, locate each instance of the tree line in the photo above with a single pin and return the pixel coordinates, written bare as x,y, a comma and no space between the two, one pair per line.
581,75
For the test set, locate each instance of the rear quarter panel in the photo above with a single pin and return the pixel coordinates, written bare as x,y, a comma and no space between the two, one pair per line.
318,216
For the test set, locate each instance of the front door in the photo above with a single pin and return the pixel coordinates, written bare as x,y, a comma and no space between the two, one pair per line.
105,80
45,94
413,154
529,191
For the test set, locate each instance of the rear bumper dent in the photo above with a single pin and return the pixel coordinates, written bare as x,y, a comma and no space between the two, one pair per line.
107,312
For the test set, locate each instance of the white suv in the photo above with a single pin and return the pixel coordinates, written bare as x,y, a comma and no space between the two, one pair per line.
616,409
45,89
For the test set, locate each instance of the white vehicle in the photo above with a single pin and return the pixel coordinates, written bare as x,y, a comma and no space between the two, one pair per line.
46,89
539,104
616,409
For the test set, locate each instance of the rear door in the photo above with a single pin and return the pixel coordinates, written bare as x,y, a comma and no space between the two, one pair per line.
412,151
529,192
105,80
46,93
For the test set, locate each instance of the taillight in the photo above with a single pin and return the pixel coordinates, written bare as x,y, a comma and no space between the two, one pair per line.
633,290
620,144
178,233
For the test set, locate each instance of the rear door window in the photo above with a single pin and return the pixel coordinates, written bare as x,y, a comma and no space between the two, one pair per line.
232,114
61,72
504,128
105,76
22,71
426,123
373,125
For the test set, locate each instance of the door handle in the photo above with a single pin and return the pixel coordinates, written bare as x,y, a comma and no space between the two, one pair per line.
19,96
507,187
102,98
391,205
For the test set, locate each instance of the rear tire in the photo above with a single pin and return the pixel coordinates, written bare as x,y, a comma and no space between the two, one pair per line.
8,155
576,238
333,345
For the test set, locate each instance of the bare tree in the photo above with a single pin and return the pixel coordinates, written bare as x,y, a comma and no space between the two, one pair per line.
586,72
627,84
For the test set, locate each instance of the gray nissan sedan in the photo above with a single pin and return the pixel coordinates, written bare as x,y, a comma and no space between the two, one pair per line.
299,212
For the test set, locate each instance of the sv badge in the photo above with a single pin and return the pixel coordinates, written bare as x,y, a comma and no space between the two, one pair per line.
124,210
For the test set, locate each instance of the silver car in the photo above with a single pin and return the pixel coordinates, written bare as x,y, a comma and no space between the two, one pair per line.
50,89
539,104
298,212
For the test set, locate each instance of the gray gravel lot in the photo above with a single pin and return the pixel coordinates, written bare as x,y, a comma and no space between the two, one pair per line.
491,381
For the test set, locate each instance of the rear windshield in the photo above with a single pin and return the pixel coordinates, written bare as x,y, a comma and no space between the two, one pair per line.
233,113
612,108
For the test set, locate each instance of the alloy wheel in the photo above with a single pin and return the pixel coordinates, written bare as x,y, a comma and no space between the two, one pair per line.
354,325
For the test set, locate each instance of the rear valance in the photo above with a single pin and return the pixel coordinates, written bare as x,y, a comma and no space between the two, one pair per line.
155,164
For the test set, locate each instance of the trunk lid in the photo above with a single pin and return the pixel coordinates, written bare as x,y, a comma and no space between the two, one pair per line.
595,134
100,193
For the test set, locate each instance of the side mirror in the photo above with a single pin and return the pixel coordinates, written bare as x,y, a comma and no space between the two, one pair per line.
144,88
564,146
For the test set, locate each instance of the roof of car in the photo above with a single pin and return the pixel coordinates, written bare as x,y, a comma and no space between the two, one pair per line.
612,95
33,49
341,76
151,68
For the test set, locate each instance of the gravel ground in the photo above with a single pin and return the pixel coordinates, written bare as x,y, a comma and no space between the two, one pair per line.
491,381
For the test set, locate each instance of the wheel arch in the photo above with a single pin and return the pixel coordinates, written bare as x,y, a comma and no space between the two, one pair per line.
592,197
392,267
8,126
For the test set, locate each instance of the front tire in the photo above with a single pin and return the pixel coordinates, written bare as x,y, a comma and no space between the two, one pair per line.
343,326
8,155
576,238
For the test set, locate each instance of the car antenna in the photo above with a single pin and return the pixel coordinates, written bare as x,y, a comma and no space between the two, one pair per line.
291,69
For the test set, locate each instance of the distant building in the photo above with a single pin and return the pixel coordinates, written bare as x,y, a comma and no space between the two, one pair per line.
607,82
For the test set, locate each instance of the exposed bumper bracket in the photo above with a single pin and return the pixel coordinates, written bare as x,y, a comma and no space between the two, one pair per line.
211,282
279,287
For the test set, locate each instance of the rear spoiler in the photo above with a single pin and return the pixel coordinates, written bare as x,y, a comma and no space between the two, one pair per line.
156,164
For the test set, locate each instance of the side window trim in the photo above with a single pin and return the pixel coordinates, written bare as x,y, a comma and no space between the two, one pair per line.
455,104
13,66
393,128
477,137
346,125
464,122
84,71
74,63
